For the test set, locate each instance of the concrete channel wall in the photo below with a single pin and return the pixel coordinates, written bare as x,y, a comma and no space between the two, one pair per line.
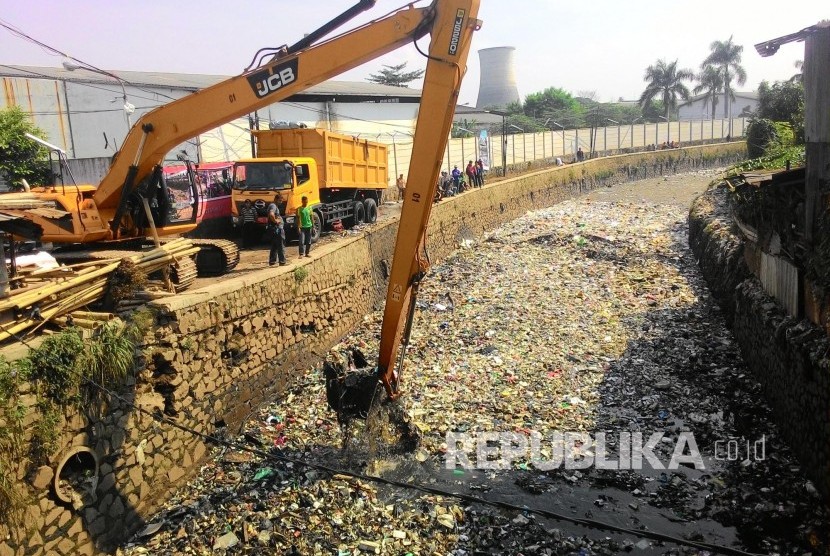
214,355
788,356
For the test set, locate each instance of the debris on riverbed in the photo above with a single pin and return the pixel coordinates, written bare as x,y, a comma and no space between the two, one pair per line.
585,317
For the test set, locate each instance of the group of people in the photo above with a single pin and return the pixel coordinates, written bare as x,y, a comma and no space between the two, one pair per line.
275,229
453,183
665,145
475,172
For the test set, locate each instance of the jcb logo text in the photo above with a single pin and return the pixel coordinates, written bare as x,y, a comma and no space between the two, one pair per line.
271,80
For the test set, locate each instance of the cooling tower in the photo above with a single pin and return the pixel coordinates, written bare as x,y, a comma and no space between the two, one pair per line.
498,78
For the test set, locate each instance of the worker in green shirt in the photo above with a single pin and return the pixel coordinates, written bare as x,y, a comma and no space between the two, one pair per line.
304,224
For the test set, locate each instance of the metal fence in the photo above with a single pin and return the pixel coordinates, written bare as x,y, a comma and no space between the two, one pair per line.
527,147
521,147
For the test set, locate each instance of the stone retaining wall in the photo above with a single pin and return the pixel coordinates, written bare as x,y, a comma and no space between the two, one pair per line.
216,354
788,356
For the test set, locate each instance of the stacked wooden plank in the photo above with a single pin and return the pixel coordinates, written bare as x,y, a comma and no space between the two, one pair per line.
53,293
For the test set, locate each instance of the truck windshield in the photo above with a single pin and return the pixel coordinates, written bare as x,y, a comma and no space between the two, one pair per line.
263,175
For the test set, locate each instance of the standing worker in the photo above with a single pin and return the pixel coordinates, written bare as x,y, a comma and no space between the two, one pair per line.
479,173
401,184
248,216
305,221
456,178
471,173
276,234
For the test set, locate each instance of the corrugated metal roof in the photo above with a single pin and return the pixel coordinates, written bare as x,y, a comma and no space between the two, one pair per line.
192,81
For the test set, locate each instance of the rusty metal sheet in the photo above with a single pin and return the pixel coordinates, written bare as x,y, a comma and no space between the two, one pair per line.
780,279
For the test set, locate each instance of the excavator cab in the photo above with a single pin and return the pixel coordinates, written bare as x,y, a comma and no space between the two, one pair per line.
173,195
179,196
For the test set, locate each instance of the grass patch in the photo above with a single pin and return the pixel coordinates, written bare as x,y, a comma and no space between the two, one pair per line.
775,158
300,274
56,372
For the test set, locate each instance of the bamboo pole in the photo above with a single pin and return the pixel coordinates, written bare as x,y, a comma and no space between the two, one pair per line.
80,323
92,315
165,270
70,288
47,314
34,297
151,295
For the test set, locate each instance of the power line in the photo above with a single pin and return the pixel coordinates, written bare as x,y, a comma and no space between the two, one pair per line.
54,51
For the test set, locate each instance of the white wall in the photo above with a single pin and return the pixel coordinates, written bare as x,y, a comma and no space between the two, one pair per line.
701,110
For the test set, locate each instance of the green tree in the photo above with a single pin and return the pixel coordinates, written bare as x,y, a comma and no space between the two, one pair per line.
395,76
799,65
665,80
551,100
783,101
469,125
514,108
710,83
653,110
625,113
725,56
20,157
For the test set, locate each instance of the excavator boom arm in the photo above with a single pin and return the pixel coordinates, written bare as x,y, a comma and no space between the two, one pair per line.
162,129
452,28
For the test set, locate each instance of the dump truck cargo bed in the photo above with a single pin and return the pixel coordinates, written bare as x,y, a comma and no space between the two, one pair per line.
342,160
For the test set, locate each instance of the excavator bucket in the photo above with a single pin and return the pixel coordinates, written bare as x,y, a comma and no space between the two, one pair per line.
354,391
351,386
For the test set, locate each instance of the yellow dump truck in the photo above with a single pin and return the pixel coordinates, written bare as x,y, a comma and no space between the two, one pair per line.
343,177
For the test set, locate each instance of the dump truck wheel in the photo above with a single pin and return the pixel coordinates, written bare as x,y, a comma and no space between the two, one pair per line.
359,215
316,226
371,211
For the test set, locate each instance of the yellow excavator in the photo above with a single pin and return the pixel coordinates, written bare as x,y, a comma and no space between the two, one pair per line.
354,387
117,213
116,210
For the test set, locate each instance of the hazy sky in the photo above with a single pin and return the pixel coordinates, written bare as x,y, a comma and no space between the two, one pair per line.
601,46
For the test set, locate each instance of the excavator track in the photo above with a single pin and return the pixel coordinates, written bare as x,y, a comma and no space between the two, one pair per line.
216,257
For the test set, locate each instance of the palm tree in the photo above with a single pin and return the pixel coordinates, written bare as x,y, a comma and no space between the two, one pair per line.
710,83
798,77
665,80
726,57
